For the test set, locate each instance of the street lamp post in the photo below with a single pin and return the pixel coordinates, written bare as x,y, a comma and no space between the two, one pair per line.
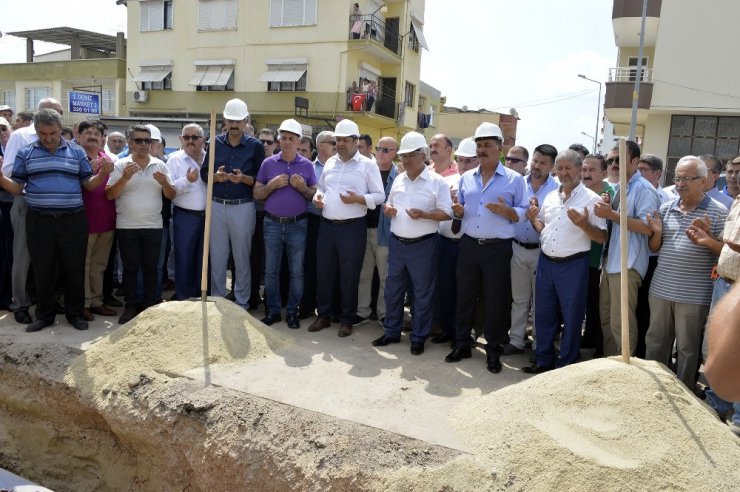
598,108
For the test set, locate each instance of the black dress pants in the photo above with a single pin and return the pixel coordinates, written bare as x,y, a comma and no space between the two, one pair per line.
139,250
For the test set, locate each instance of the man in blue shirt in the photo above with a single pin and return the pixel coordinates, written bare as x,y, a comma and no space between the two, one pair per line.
237,161
490,201
52,171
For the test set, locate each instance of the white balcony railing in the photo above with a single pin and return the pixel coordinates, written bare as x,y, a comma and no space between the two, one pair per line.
629,74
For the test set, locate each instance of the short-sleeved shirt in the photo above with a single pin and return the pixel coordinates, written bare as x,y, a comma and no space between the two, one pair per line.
478,221
427,192
642,199
139,205
684,269
524,230
561,237
246,156
53,179
100,212
286,201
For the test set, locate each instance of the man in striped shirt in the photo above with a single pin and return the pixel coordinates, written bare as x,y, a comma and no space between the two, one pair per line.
681,290
52,171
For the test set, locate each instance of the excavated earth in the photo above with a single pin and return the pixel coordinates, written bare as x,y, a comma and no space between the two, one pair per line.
123,416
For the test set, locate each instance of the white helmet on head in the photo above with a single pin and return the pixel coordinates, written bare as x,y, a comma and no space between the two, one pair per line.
291,126
488,130
466,148
347,128
154,132
236,110
412,141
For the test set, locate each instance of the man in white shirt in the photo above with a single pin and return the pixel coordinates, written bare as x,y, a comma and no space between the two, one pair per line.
418,201
349,186
567,224
188,215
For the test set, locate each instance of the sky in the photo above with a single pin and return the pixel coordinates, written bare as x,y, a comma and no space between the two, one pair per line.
483,54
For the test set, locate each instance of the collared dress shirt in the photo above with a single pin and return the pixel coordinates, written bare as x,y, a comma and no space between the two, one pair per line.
139,205
525,232
246,156
427,192
358,175
445,227
286,201
190,196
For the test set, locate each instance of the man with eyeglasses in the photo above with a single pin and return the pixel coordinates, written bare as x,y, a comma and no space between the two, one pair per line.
516,159
526,249
419,199
440,153
137,184
681,290
491,199
349,186
53,173
326,147
642,199
237,160
376,249
188,214
21,259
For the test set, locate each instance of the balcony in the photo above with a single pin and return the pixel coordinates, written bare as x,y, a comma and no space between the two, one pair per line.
620,85
381,36
626,20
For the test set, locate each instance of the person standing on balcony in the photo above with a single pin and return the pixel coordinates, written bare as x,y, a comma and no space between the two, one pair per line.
356,21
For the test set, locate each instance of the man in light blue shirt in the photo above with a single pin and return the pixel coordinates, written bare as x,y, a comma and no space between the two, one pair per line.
642,199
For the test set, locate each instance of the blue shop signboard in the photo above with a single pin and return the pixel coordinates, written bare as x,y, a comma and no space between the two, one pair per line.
84,102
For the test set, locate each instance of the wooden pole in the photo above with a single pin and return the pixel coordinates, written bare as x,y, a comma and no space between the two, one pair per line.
624,250
209,201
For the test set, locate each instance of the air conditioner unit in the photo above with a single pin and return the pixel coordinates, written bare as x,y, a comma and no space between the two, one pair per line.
141,96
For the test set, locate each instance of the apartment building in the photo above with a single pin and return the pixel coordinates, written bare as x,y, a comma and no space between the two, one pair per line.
285,58
689,101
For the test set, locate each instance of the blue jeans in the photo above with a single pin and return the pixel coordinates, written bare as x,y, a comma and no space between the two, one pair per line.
292,237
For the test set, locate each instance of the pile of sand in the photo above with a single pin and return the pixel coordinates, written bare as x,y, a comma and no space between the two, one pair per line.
170,339
598,425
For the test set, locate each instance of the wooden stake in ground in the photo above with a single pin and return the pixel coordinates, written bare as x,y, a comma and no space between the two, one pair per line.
624,250
209,197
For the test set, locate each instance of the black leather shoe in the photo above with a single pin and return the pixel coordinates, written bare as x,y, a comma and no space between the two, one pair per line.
510,349
112,302
78,322
458,354
417,348
128,314
38,325
22,316
440,338
493,362
292,320
536,369
384,340
270,319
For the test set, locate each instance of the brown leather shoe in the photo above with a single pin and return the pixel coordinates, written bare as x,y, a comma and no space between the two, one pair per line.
319,324
345,330
103,310
87,315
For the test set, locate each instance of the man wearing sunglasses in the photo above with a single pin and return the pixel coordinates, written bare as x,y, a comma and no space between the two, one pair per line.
188,215
137,184
516,159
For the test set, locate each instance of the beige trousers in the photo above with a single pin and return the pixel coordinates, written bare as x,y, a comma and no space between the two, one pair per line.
610,310
98,249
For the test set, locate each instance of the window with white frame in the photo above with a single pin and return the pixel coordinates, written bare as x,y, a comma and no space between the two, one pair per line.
109,101
9,98
155,75
155,15
34,95
286,74
408,95
284,13
213,75
217,15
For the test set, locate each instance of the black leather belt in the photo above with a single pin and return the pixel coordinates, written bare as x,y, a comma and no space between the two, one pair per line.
451,239
728,280
239,201
412,240
566,258
527,245
285,220
493,240
55,214
341,222
198,213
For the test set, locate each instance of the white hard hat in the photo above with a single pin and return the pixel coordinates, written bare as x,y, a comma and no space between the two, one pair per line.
4,122
291,126
5,107
236,110
155,133
466,148
412,141
488,130
346,128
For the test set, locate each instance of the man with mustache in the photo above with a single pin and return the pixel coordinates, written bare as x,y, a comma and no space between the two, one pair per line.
440,153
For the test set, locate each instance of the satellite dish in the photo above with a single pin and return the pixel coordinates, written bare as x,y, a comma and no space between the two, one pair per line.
513,112
464,108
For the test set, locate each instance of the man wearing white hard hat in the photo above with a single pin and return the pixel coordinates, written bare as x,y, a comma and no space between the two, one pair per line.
6,112
447,249
349,186
285,182
237,160
491,199
418,201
